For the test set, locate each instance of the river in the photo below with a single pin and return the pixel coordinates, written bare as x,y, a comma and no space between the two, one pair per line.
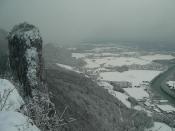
159,81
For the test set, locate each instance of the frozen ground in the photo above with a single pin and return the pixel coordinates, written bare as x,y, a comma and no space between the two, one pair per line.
14,121
10,98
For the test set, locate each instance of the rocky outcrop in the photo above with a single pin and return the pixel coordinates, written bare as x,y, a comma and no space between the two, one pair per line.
25,56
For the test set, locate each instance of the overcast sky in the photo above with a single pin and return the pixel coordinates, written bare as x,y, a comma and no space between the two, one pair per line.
77,20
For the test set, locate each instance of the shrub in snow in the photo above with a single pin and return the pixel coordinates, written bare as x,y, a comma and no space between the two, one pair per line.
41,111
25,55
10,100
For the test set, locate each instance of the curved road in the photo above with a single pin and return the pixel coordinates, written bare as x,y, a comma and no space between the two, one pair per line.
160,81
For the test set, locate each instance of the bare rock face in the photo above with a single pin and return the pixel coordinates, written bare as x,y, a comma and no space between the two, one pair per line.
25,56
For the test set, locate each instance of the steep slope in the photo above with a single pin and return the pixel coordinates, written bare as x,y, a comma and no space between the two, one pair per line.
3,41
3,52
93,107
54,54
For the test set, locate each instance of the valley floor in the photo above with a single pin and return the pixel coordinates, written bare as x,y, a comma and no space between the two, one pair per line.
127,74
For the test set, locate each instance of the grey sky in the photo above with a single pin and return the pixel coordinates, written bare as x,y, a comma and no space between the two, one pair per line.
76,20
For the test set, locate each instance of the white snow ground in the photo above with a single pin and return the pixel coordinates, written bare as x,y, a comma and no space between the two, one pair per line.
14,121
11,100
10,120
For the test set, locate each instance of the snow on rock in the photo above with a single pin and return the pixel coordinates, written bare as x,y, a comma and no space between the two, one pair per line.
137,93
25,31
136,77
14,121
11,100
160,127
166,108
25,56
32,61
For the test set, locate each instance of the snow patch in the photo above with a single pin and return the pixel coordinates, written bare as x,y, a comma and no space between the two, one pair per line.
80,55
11,100
67,67
120,96
14,121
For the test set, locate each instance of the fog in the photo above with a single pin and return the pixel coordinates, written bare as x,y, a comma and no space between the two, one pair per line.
71,21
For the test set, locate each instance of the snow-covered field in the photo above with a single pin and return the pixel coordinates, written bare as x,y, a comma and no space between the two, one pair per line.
157,57
117,59
114,61
136,77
